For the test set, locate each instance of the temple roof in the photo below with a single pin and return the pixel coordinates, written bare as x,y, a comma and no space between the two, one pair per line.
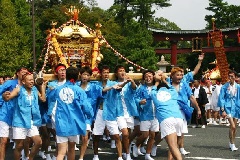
190,31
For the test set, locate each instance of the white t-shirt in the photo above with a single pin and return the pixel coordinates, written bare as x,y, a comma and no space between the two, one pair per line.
215,94
209,94
126,114
196,92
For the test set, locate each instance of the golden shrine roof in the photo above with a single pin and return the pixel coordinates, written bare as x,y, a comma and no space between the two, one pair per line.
74,31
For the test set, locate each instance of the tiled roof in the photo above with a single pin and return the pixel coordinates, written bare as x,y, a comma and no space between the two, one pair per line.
190,31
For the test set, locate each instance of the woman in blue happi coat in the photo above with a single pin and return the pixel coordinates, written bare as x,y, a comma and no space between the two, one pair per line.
27,117
149,125
71,112
165,99
228,101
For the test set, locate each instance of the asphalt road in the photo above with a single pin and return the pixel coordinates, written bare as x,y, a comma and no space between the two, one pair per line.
210,143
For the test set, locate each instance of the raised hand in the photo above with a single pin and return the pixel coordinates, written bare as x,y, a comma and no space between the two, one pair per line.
201,57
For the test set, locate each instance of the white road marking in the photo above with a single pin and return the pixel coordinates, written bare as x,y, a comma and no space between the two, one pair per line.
189,135
209,158
107,152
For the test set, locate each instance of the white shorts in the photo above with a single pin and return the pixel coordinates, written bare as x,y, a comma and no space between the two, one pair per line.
151,125
112,127
125,122
5,130
185,126
67,139
99,124
22,133
136,122
88,127
208,106
215,108
171,125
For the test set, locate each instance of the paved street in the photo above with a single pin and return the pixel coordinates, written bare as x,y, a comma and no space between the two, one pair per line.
210,143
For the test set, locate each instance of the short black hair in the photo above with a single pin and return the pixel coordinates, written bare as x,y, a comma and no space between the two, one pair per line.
117,67
86,69
232,72
72,73
147,71
162,84
104,67
21,68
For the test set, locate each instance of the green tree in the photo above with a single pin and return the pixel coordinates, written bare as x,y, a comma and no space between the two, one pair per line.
226,16
137,46
13,42
142,10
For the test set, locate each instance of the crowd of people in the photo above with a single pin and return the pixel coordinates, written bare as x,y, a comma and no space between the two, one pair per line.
161,107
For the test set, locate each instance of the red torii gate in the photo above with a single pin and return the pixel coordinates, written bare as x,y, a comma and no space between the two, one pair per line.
187,35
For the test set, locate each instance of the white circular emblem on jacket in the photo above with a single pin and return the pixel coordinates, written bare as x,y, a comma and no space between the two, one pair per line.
66,95
163,96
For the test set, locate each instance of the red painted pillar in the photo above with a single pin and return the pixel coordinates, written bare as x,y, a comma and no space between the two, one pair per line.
174,53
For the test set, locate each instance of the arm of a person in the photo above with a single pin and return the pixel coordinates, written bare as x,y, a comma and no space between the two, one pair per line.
42,96
196,69
12,94
42,92
133,84
116,86
195,104
139,100
221,98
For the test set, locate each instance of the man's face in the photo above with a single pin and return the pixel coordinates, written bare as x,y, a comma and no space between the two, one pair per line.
7,78
148,78
177,77
105,74
196,84
121,73
28,81
231,77
21,73
85,77
1,80
61,73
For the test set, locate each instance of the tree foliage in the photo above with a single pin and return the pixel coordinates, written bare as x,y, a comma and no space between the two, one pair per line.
226,16
142,10
14,45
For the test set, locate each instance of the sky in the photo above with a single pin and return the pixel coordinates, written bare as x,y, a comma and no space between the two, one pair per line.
187,14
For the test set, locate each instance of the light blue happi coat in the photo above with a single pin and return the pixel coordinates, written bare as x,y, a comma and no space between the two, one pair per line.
72,106
26,109
230,101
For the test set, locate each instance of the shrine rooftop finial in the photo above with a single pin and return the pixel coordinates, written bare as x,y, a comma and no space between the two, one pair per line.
73,12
